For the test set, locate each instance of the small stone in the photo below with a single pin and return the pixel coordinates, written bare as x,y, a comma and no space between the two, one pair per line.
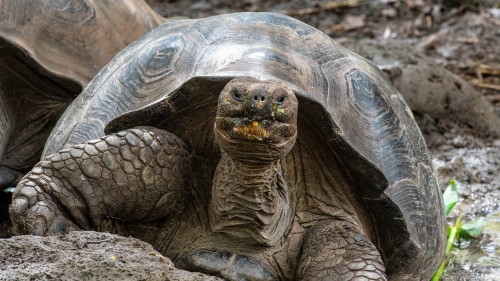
459,142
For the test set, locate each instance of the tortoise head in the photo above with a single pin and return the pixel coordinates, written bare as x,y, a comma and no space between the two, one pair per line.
256,120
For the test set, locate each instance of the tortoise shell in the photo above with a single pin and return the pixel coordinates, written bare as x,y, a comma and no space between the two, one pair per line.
47,56
359,153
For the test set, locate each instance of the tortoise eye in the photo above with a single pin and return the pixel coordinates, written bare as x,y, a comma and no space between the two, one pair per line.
236,95
280,100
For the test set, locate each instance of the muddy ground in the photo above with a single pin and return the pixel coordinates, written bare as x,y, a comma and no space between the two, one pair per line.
443,58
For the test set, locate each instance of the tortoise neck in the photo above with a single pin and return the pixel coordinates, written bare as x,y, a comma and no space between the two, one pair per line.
254,174
250,201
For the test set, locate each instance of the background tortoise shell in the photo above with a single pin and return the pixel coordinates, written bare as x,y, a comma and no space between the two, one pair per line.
171,79
47,56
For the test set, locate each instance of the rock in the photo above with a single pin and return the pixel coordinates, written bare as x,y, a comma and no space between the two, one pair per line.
86,255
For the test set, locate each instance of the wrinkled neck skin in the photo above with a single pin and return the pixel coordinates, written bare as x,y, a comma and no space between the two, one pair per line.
250,201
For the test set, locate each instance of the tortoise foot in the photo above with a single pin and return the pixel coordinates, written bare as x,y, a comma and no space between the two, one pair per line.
337,250
226,265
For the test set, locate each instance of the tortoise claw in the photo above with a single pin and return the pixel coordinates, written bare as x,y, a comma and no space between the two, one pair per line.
226,265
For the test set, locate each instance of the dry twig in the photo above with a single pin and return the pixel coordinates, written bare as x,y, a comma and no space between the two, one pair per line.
486,69
479,83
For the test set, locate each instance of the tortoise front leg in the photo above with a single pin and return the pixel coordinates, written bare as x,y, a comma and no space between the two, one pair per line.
135,175
337,250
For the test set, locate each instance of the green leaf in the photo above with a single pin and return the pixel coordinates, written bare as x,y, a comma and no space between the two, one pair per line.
472,229
453,235
450,197
279,110
439,272
448,230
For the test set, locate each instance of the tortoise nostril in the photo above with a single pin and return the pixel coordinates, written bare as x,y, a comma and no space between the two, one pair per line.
259,97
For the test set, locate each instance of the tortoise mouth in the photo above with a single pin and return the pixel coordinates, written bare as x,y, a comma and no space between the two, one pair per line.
252,140
260,129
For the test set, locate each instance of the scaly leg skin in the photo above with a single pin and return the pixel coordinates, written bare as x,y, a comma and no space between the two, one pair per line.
139,174
337,250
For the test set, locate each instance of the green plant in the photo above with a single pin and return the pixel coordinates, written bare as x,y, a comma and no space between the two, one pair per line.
459,229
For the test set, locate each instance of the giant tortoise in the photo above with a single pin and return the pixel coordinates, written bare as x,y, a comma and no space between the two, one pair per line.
249,146
49,51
